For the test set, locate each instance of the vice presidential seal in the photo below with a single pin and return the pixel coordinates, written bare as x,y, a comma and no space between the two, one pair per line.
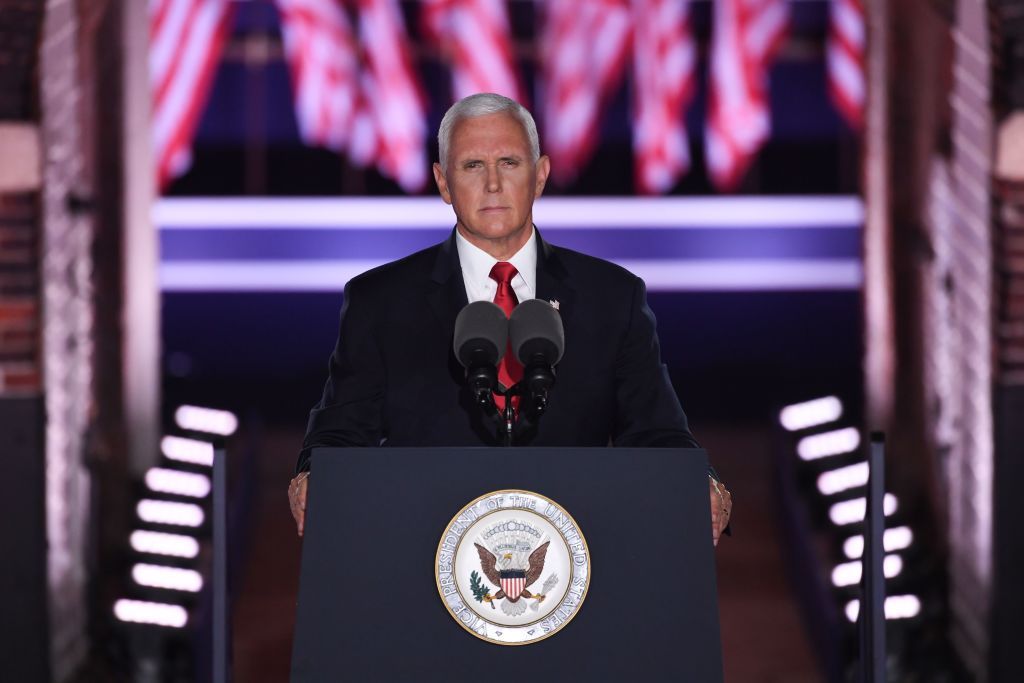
512,567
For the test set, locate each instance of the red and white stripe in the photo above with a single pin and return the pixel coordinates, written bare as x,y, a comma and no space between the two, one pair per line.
187,38
845,57
475,36
322,56
585,48
746,36
513,587
390,126
664,78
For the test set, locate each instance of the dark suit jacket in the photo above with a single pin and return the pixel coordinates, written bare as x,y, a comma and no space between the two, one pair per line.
394,379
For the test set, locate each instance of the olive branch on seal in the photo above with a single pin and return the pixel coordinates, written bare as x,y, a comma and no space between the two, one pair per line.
480,591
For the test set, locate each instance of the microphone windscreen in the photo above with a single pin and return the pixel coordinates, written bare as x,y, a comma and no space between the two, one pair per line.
481,333
535,327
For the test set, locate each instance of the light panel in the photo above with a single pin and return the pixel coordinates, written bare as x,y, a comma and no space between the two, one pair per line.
159,543
811,413
172,578
896,607
897,538
192,451
158,613
208,420
843,478
167,512
176,482
849,573
586,213
853,510
826,444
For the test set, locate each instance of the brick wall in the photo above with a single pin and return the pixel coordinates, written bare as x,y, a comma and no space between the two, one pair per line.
20,372
1010,286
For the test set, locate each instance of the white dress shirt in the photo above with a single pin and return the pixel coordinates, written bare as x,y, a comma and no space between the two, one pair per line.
476,270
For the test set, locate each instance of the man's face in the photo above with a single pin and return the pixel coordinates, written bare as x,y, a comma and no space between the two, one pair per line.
491,182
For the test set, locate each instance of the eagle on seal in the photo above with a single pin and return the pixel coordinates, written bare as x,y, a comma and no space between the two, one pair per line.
513,581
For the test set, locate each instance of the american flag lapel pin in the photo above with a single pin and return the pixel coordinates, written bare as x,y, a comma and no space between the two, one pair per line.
554,303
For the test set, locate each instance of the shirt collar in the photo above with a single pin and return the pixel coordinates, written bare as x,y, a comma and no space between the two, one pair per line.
477,263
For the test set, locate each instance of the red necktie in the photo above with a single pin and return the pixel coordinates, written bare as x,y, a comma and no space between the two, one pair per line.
510,370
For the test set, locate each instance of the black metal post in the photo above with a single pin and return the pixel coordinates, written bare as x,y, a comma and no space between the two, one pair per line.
221,631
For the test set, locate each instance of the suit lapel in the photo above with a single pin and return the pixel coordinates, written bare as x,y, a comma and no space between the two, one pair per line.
448,292
447,295
552,286
552,280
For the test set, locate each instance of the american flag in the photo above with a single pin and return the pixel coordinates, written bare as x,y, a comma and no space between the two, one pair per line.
746,36
845,55
664,63
585,50
322,55
187,38
474,36
390,126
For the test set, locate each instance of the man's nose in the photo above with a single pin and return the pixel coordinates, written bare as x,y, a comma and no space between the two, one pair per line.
493,179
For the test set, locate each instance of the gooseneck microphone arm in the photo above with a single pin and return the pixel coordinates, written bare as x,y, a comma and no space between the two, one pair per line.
538,378
482,377
508,414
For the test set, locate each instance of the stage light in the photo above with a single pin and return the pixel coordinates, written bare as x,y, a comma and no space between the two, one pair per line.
849,573
896,607
141,612
173,578
586,213
177,482
897,538
811,413
159,543
191,451
843,478
851,511
166,512
827,444
206,420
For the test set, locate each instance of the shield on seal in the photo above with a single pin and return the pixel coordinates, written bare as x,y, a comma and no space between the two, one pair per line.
513,581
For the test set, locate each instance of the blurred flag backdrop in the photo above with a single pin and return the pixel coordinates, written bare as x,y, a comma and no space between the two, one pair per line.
369,78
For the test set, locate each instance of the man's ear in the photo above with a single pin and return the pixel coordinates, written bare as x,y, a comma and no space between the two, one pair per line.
442,183
543,169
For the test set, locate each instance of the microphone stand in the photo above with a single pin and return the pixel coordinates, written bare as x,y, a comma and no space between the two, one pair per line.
537,379
508,415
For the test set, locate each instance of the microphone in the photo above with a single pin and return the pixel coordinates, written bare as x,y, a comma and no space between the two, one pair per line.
538,341
481,335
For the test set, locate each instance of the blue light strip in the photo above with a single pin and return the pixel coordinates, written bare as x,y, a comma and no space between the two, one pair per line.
675,244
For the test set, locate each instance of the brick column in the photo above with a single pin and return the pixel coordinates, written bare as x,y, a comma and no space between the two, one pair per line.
67,334
930,305
969,461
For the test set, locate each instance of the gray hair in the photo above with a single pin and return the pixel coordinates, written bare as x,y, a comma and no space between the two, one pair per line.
483,104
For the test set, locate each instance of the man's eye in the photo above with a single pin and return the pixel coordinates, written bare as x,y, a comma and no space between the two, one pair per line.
511,163
473,164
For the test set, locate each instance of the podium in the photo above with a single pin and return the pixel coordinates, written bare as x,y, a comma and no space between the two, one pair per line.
370,607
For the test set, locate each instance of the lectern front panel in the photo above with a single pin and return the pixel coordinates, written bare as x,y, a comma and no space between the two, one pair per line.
369,607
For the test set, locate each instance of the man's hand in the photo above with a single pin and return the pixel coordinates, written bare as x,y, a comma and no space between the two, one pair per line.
721,508
297,499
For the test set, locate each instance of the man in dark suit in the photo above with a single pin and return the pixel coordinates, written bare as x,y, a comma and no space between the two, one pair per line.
394,379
